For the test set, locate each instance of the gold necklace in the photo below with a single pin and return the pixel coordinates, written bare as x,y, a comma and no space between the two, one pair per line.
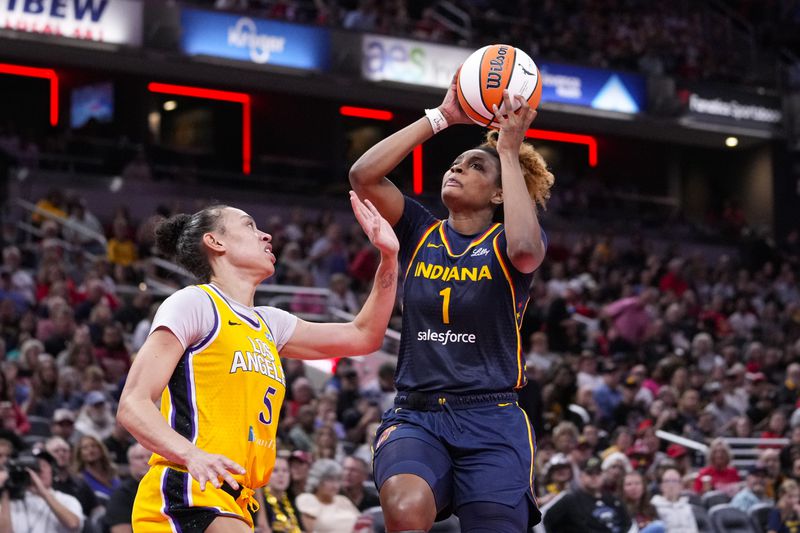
285,519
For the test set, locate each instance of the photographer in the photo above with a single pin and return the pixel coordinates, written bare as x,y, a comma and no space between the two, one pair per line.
29,504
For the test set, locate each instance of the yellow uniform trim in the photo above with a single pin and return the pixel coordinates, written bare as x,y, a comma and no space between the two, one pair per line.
420,243
471,245
530,443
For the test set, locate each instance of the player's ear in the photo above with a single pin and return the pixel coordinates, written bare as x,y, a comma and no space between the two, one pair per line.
497,198
210,240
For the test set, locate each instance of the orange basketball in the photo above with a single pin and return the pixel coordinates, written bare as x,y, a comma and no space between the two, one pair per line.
488,72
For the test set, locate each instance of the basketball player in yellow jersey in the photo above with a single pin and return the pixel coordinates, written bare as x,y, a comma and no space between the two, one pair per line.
213,361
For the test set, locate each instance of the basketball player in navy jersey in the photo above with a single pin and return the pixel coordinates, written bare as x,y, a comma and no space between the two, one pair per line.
456,441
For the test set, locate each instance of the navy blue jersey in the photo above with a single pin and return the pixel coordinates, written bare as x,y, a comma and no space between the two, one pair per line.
463,303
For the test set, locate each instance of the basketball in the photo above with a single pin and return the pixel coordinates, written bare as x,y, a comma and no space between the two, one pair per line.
489,71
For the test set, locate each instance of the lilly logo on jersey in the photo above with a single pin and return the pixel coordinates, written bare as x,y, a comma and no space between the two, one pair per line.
478,252
260,359
424,270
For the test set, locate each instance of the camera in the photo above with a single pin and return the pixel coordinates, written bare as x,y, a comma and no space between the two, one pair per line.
19,479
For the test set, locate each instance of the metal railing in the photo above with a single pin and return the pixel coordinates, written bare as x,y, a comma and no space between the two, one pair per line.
744,451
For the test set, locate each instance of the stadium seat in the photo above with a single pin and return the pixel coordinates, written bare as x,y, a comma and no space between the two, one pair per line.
759,514
715,497
692,497
376,513
702,519
40,426
725,518
451,525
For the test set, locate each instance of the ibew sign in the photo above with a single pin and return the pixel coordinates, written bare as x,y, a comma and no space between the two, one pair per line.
109,21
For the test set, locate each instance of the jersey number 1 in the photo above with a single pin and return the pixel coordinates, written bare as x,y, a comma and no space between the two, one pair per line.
445,304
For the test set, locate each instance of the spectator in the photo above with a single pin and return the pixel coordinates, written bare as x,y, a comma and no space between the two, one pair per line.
717,474
63,478
342,297
322,508
301,434
673,509
21,280
282,515
354,475
785,517
588,509
119,444
754,491
95,419
120,504
299,466
557,476
383,392
608,396
41,509
637,502
6,451
121,250
63,425
93,462
631,319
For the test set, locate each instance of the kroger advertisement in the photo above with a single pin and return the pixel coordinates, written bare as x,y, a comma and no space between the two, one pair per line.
255,40
433,65
107,21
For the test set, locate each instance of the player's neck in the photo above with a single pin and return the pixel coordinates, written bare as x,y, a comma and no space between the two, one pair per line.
239,290
469,222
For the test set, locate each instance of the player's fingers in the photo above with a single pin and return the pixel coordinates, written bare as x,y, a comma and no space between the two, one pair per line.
508,106
229,479
201,480
498,117
373,210
233,466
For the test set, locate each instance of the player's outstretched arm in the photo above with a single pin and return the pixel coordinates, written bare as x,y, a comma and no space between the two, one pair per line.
365,333
149,374
523,234
367,175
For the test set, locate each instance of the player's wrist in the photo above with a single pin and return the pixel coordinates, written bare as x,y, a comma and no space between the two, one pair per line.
437,119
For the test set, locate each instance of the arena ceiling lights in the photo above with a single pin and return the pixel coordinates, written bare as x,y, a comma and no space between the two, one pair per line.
222,96
545,135
41,73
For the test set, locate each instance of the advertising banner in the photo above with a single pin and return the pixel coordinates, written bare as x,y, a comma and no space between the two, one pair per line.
433,65
254,40
728,106
106,21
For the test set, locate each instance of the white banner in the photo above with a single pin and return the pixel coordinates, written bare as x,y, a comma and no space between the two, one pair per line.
414,62
107,21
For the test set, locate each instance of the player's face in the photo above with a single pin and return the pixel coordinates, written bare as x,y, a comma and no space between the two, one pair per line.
245,245
472,181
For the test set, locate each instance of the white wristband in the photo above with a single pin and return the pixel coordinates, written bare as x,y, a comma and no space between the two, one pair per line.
437,120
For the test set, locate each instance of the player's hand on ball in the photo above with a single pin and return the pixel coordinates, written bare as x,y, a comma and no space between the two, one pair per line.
210,468
450,107
513,125
380,233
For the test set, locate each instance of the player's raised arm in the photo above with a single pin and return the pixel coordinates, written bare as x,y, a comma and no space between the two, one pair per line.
367,175
365,333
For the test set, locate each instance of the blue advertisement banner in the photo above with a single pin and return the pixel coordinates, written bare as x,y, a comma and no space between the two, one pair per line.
254,40
588,87
433,65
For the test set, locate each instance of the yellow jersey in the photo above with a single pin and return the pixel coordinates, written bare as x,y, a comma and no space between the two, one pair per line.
226,392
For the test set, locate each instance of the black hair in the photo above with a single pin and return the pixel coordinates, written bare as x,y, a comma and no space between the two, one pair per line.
181,237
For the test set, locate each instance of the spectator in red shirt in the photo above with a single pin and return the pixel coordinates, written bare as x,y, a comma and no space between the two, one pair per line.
718,474
673,279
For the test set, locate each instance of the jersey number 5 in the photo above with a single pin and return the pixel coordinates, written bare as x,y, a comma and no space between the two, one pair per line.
268,402
445,293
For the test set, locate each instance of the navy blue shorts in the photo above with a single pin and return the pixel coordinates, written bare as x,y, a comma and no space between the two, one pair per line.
468,449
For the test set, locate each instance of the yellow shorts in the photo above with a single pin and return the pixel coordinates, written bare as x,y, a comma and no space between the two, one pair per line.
169,500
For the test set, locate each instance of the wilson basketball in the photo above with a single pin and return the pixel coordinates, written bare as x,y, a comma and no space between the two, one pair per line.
488,72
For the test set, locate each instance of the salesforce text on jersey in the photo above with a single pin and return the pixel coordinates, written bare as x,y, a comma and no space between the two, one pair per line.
445,337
